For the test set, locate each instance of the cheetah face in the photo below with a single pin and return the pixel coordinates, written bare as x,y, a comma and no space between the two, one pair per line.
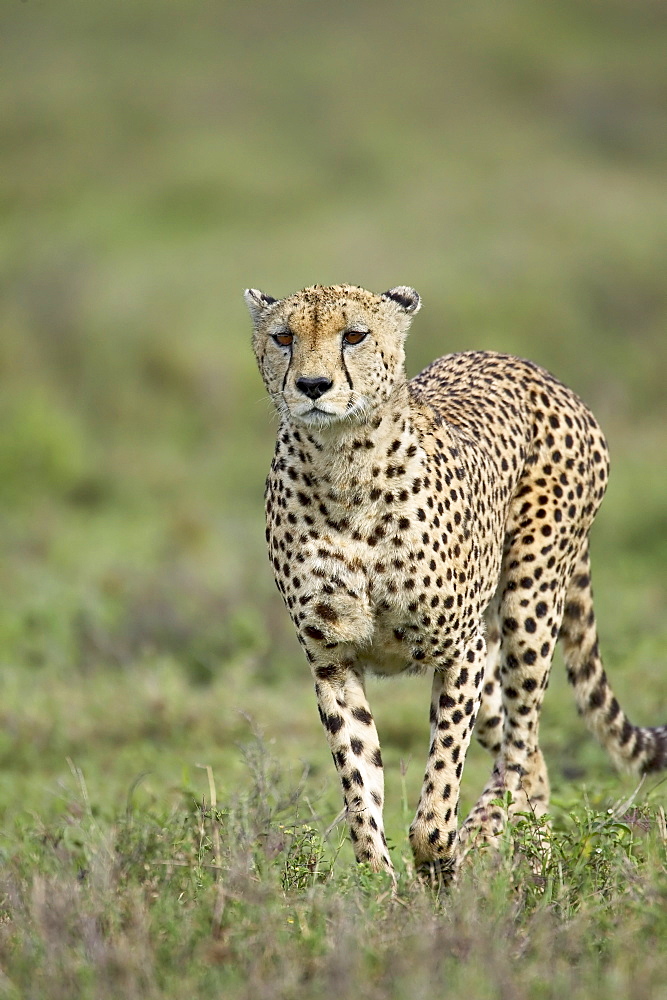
330,356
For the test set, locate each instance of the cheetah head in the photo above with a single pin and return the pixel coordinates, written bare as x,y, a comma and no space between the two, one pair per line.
331,355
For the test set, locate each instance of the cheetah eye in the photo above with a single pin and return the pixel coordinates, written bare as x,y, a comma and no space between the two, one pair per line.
354,336
283,339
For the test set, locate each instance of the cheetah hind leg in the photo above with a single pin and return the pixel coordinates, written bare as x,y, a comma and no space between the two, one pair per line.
491,715
491,718
493,816
486,821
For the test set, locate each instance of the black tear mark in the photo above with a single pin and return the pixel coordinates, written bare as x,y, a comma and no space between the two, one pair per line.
342,361
289,365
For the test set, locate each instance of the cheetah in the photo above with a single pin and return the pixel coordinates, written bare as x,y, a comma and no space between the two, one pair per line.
439,523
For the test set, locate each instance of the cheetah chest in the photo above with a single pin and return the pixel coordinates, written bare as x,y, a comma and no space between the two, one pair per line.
384,588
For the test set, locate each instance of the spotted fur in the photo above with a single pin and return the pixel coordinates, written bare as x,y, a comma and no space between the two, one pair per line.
439,523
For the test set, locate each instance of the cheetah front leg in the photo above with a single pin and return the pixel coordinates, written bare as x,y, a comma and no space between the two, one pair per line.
455,698
353,741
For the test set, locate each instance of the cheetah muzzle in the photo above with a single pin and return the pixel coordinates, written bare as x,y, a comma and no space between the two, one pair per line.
439,523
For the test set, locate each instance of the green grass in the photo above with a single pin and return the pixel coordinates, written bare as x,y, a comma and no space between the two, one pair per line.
247,896
509,162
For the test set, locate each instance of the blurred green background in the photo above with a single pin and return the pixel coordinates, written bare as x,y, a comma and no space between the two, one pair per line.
508,160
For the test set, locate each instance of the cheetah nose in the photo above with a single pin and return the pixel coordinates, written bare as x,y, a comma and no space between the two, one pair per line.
314,387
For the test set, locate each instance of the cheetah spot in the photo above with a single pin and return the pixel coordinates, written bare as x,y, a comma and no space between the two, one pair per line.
326,612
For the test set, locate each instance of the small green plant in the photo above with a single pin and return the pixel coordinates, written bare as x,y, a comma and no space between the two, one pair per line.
304,863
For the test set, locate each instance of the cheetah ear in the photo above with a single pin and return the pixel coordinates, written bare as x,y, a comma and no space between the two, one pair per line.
257,302
404,296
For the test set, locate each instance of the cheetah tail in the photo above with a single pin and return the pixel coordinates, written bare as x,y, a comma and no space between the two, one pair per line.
637,749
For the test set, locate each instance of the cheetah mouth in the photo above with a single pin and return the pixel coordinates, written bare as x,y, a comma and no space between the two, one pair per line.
317,415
